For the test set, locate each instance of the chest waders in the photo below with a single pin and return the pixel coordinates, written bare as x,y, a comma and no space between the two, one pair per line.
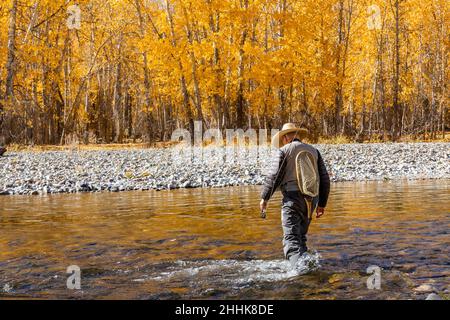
307,178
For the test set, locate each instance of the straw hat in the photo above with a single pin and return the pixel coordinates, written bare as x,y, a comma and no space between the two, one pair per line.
288,128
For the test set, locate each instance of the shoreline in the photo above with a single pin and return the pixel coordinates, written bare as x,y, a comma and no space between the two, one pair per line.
56,172
237,187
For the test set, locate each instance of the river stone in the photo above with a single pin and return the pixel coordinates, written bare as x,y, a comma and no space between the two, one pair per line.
424,288
433,296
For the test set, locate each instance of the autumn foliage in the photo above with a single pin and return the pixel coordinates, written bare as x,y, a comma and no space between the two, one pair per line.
138,69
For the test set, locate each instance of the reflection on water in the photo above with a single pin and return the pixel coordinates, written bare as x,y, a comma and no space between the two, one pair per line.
211,243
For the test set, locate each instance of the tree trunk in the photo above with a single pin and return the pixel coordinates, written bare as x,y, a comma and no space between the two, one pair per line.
240,116
183,85
10,67
396,120
149,119
338,100
117,105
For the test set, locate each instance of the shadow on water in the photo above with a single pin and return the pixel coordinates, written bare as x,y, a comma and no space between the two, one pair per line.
211,243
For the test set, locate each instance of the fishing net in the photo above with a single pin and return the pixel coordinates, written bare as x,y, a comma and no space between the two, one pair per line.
307,174
307,178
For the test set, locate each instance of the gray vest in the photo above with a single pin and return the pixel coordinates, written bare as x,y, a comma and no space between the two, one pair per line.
289,182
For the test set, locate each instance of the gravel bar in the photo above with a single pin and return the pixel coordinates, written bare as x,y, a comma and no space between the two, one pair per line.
161,169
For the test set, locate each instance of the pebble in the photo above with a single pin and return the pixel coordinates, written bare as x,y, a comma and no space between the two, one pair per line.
433,296
424,288
161,169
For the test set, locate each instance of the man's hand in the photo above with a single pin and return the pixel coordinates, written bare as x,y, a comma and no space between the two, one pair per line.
319,212
263,205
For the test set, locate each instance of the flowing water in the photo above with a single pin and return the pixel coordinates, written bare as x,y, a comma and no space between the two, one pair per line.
211,243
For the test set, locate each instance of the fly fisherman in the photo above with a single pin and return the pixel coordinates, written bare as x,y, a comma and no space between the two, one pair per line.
300,173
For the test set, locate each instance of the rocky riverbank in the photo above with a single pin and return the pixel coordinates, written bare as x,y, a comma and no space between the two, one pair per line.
91,171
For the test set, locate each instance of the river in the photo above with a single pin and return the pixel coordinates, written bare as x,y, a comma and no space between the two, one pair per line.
212,244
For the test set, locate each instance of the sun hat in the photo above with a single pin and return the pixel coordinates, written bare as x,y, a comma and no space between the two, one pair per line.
277,140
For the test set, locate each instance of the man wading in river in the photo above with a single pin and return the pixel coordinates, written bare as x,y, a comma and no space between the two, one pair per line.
300,173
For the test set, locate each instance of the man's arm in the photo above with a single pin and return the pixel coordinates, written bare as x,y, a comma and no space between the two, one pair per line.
324,187
275,176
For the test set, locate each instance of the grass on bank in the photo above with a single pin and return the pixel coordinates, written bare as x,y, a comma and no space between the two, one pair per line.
87,147
141,145
405,138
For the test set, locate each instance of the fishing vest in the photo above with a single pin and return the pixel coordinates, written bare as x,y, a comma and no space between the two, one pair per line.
301,171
